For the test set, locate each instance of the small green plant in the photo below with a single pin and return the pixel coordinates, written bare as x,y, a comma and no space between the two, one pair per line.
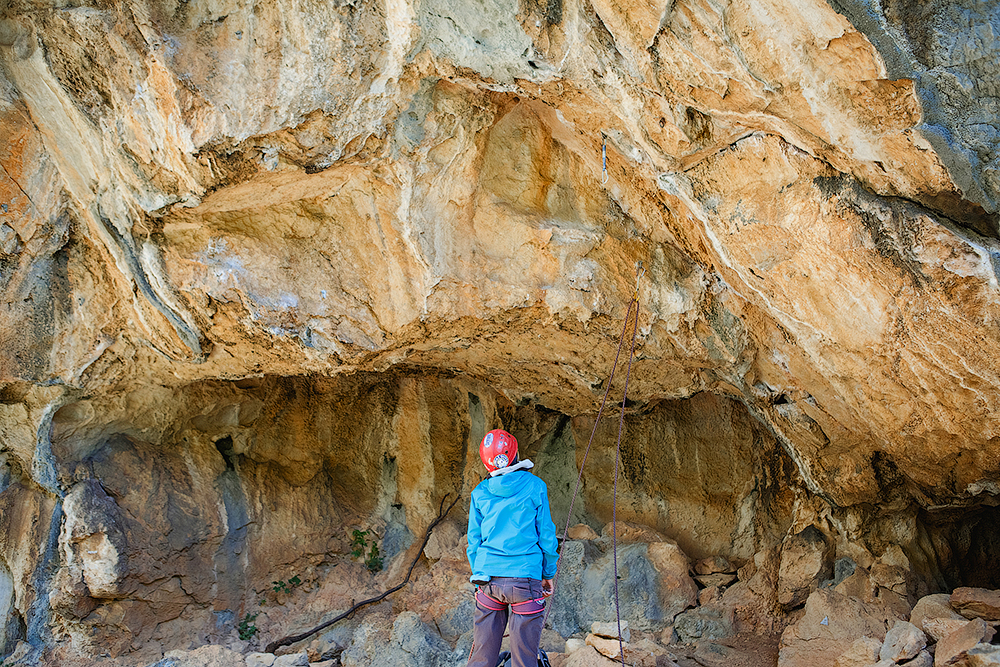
358,543
247,629
374,560
281,586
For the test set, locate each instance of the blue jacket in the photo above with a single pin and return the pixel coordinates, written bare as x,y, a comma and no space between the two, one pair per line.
511,533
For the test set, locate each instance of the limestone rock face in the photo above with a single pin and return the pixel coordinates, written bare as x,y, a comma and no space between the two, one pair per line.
270,270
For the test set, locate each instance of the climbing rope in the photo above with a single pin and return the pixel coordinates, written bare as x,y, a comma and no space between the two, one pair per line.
618,455
640,271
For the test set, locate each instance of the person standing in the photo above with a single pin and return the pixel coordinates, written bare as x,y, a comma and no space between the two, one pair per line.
512,551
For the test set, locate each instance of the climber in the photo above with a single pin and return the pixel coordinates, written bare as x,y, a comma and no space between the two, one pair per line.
512,551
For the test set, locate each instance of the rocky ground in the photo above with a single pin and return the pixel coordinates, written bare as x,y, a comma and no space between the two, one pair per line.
676,612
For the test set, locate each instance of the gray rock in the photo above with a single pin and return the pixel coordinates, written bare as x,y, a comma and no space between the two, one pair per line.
410,643
945,49
586,590
566,614
903,642
333,642
457,620
708,622
842,569
260,659
923,659
983,655
397,537
292,660
463,647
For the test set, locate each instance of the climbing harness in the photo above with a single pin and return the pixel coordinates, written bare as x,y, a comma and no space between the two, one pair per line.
525,608
640,272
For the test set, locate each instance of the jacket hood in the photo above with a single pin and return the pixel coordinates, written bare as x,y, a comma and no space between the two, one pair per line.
509,484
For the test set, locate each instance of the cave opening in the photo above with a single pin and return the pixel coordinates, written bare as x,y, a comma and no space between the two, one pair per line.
967,544
225,447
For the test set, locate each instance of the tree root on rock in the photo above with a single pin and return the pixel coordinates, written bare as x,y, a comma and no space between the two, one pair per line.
286,641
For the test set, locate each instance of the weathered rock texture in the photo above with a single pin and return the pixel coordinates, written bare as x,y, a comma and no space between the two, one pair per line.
269,271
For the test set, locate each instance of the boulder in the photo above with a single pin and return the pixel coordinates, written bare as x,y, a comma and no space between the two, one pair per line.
862,653
582,531
709,595
752,612
712,621
715,580
610,630
829,627
259,659
903,642
678,591
206,656
653,585
842,569
456,620
735,652
950,649
922,659
858,585
292,660
588,656
714,565
892,570
982,655
610,648
642,654
409,642
806,560
937,605
976,603
939,628
332,643
893,577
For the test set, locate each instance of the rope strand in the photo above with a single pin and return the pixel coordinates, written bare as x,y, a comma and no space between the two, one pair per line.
593,432
614,501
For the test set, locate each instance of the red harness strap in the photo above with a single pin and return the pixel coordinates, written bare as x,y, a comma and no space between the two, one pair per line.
526,608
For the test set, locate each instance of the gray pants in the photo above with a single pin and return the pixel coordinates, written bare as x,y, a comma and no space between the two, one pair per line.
525,630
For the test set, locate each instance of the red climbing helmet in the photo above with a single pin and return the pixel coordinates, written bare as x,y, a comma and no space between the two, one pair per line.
498,449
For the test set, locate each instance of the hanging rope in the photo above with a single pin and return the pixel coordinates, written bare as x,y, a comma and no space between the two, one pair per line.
618,452
569,516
